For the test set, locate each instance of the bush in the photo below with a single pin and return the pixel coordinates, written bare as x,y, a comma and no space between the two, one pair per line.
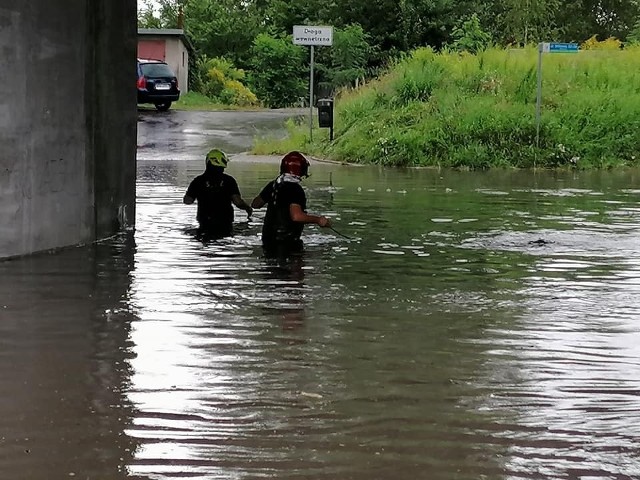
610,43
470,36
279,75
220,80
346,61
235,93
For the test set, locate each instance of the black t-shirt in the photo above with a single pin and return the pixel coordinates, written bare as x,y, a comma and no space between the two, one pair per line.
278,228
213,194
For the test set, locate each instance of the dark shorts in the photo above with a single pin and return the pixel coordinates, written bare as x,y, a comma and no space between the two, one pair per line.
282,249
213,231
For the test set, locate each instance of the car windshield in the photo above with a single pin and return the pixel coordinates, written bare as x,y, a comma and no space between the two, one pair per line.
156,70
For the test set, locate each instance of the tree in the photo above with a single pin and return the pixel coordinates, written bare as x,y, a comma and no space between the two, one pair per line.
216,28
223,28
430,22
470,36
522,22
634,34
278,74
166,16
580,19
146,16
345,62
281,15
350,55
369,34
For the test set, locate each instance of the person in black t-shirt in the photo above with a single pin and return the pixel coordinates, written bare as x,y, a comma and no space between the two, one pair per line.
286,206
215,191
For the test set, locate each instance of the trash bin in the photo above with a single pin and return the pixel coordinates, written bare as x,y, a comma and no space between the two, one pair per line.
325,113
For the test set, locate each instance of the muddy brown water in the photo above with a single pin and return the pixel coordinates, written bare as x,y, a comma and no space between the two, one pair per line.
477,325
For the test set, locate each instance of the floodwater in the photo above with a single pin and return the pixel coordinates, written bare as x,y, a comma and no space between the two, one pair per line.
473,326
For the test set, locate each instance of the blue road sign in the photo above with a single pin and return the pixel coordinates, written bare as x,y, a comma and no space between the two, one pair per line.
563,47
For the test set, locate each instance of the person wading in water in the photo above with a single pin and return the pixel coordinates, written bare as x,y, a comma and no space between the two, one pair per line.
286,207
215,191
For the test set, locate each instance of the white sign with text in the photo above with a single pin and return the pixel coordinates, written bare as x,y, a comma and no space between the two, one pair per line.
312,35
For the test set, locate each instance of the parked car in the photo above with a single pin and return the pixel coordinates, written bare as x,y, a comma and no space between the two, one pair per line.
157,84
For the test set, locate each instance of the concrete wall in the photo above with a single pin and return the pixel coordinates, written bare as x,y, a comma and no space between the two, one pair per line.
67,121
178,59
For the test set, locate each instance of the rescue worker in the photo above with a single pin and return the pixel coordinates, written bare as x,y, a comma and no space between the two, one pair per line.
286,207
215,192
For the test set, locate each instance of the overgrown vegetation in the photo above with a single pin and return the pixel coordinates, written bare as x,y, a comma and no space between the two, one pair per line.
199,102
220,81
461,110
369,36
278,72
467,100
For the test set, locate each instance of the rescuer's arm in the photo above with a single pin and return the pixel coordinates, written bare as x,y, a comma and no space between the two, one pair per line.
258,202
239,202
299,215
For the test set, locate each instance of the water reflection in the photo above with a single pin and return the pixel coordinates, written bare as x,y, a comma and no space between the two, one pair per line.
64,374
477,326
576,369
447,340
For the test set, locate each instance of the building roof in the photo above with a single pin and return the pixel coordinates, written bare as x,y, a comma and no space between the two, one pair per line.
161,31
168,32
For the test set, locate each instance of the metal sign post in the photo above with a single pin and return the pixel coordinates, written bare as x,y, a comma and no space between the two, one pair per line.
311,36
546,47
311,97
539,94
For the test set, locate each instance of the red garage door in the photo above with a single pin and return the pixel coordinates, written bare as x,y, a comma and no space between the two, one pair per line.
154,49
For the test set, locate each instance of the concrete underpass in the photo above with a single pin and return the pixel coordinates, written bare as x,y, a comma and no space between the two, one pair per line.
67,122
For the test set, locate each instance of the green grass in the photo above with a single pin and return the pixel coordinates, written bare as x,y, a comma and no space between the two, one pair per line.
198,101
466,111
296,136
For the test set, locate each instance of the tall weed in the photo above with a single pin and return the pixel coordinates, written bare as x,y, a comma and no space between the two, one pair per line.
478,111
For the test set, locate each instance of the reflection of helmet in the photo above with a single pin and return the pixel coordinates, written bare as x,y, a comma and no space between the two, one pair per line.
296,164
217,158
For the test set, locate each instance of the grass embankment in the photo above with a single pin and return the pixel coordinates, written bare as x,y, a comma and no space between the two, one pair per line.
478,111
197,101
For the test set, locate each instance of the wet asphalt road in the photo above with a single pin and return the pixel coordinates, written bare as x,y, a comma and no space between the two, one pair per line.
186,135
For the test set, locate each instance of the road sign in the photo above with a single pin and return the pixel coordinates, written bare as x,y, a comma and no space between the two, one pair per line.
312,35
547,47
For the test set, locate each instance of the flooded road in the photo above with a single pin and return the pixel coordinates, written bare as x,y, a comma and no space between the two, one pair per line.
474,325
180,135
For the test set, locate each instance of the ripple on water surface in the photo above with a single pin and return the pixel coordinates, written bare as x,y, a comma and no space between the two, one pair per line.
485,353
427,346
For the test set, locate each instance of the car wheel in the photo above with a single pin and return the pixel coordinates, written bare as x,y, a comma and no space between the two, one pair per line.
163,107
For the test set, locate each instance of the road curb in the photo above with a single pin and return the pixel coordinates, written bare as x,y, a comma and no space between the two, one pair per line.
252,158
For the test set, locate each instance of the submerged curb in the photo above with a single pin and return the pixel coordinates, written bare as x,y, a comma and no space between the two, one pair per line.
251,158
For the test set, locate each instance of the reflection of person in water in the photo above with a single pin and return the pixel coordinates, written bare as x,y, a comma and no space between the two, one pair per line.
290,307
286,207
215,192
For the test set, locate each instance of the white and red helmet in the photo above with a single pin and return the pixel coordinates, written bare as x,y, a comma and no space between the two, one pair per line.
295,163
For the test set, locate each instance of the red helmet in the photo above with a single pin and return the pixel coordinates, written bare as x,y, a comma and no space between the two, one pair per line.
296,164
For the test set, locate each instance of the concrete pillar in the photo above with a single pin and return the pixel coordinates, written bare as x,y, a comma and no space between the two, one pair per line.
67,122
